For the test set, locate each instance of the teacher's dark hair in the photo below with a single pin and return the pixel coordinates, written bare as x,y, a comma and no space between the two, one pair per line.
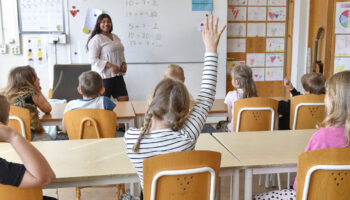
97,28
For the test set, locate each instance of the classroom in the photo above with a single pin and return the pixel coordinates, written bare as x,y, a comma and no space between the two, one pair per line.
185,99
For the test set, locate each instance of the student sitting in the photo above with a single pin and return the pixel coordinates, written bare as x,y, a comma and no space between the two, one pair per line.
176,72
91,87
23,90
313,83
35,170
242,80
334,131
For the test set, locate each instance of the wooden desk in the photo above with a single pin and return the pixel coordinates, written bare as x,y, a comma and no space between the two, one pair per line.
265,152
124,110
140,108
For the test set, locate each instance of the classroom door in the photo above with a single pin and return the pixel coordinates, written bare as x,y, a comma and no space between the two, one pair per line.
260,35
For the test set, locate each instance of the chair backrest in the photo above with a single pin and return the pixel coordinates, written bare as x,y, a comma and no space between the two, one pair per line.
306,111
15,193
254,114
20,121
324,174
182,175
90,123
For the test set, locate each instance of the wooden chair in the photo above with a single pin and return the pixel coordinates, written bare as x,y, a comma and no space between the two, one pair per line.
20,121
324,174
181,175
306,111
255,114
15,193
89,124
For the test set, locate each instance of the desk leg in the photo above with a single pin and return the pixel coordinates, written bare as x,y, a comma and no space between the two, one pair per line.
235,185
248,184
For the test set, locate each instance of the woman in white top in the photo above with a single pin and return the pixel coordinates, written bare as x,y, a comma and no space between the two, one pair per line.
106,54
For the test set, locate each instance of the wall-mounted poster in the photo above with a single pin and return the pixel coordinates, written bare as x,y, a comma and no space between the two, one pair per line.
341,64
276,29
236,29
236,14
342,17
342,45
34,51
275,45
237,2
258,74
255,59
274,59
274,74
256,13
256,30
257,2
236,45
277,2
276,14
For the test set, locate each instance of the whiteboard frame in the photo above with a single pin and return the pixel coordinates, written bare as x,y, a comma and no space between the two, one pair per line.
40,32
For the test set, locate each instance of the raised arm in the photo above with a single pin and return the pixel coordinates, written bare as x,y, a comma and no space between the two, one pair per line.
38,171
206,96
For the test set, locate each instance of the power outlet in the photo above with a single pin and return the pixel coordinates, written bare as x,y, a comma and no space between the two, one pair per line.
16,50
3,49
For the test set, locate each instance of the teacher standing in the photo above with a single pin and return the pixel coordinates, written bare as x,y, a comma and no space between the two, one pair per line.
106,54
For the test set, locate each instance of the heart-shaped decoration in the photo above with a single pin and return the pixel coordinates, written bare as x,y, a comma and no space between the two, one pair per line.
273,58
271,15
73,12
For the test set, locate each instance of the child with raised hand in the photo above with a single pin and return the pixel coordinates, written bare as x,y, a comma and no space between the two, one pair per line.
242,80
334,131
23,90
35,170
168,126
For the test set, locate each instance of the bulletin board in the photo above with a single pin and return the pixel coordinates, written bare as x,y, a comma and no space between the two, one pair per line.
258,37
41,16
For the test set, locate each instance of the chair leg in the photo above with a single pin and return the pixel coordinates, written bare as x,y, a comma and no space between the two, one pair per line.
267,180
259,181
288,180
279,181
273,180
77,193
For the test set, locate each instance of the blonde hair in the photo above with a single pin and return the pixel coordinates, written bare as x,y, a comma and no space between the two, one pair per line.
175,72
20,79
338,92
244,75
170,102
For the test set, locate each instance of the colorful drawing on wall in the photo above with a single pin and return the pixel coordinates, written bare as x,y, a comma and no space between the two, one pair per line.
341,64
237,2
276,29
257,2
275,45
256,13
74,11
255,59
231,64
342,17
258,74
256,30
276,14
274,74
274,59
236,30
35,48
277,2
236,45
342,45
237,14
90,19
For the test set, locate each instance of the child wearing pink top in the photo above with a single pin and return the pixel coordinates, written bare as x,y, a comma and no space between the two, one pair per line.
335,131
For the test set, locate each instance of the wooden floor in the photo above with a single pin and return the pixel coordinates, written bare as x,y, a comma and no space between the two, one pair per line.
108,193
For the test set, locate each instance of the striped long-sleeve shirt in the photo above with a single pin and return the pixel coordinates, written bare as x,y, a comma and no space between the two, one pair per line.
166,140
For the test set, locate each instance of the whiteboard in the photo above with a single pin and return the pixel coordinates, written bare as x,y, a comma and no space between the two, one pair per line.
152,31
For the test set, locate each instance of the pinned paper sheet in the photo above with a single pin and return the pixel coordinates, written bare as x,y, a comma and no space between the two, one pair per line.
275,45
34,50
237,2
257,2
277,2
342,45
342,17
236,45
256,29
255,59
274,59
232,64
257,13
90,19
276,29
258,74
236,30
237,14
276,14
341,64
274,74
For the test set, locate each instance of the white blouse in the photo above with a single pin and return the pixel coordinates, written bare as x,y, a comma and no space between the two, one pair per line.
102,50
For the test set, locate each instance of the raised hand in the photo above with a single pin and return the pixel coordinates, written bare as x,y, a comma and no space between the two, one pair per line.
210,34
287,83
